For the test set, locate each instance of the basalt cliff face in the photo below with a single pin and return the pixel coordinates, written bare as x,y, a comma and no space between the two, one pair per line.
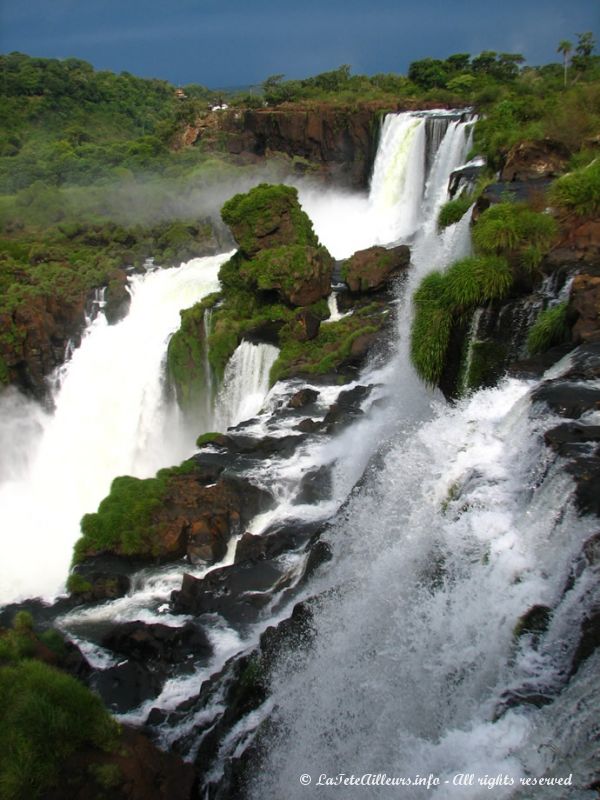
336,142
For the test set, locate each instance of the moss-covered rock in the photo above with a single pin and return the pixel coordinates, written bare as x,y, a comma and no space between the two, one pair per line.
300,274
268,216
171,515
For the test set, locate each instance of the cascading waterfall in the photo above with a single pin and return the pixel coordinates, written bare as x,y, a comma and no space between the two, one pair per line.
245,384
110,418
459,531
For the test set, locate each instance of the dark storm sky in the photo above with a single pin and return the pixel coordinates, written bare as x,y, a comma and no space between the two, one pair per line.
232,42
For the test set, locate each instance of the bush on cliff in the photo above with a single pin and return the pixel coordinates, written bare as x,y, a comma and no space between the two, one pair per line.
579,191
441,300
454,210
47,716
515,231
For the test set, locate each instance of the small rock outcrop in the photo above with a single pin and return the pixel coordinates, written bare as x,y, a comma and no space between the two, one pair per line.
530,160
370,270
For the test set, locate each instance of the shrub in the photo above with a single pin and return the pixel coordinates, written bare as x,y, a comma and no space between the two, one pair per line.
550,328
512,229
579,191
454,210
47,716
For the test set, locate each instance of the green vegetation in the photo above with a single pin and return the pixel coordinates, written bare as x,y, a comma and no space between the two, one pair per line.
65,123
77,584
46,717
328,351
515,231
125,521
579,191
255,214
443,298
454,210
550,328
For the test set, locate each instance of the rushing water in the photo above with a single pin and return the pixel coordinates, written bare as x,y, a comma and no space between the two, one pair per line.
112,418
459,526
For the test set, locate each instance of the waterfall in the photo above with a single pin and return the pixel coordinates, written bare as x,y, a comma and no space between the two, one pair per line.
110,418
413,649
245,384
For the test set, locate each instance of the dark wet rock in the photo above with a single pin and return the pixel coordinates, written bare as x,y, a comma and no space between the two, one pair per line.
589,639
307,325
43,613
102,577
586,473
237,592
315,486
303,398
535,366
157,642
585,363
309,425
117,297
320,553
571,438
591,550
352,398
585,302
288,635
567,399
525,696
127,685
279,538
534,622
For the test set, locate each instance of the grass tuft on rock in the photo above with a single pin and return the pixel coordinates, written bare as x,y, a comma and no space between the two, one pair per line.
579,191
550,328
454,210
512,229
442,298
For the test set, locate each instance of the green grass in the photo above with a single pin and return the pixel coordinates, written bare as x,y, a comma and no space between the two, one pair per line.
46,717
125,523
515,231
579,191
442,298
454,210
550,328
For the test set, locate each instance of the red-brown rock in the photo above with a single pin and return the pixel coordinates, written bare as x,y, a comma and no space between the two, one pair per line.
585,300
370,270
543,158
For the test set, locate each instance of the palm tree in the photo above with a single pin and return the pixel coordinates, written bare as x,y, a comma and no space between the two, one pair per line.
565,48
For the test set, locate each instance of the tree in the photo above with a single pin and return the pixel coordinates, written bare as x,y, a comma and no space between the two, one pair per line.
585,44
429,73
565,47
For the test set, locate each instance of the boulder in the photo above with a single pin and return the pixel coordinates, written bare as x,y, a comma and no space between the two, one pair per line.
371,270
127,685
567,399
267,217
589,639
303,398
237,592
543,158
164,644
300,274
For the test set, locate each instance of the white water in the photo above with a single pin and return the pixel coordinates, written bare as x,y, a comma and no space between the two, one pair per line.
445,546
245,384
111,418
399,200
